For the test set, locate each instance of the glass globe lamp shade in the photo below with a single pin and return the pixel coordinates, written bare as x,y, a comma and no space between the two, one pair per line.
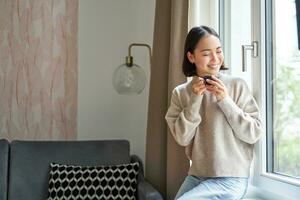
129,80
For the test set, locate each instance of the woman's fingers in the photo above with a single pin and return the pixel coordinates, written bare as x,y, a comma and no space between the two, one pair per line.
199,89
215,83
217,88
198,85
198,80
213,88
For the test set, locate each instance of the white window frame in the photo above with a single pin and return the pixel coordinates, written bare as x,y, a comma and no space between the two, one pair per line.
266,185
274,183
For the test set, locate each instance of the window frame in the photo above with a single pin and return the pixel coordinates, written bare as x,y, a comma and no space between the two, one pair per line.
267,185
269,62
269,101
263,177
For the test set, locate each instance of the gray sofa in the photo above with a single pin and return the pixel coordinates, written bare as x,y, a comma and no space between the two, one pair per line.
3,169
25,165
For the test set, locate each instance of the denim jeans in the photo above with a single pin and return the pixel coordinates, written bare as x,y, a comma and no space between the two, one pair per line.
225,188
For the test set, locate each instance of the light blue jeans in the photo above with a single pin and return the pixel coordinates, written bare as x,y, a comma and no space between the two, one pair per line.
216,188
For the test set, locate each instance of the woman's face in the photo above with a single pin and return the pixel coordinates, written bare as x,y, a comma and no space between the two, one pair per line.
207,56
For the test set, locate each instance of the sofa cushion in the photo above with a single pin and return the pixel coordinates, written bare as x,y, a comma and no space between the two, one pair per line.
4,150
30,162
93,182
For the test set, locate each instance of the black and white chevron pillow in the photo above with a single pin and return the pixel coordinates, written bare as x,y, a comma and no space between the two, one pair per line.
93,183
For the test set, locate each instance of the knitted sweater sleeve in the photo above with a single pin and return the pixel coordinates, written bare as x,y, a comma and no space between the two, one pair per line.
184,120
242,113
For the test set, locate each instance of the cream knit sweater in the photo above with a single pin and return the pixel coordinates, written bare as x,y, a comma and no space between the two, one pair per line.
218,135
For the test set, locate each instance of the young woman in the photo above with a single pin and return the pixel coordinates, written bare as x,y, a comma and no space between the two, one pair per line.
215,117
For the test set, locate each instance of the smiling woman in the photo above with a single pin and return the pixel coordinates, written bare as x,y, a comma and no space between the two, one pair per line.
207,55
217,123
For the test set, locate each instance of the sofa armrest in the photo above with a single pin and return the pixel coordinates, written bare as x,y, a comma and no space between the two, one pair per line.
145,190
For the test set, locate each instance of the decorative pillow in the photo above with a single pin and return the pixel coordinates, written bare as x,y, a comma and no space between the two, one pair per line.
93,183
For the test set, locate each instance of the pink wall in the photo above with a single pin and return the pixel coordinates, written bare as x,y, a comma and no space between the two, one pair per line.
38,69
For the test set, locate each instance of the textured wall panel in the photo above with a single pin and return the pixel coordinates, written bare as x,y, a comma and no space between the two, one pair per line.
38,69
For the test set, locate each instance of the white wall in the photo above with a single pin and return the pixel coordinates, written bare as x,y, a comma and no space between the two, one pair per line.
106,28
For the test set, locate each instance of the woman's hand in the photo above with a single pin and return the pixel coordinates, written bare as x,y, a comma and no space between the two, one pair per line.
217,87
198,85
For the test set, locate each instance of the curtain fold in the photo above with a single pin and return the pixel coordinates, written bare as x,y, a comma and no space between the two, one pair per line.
166,163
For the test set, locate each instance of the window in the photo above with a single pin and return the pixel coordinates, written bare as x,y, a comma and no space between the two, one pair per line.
275,79
283,89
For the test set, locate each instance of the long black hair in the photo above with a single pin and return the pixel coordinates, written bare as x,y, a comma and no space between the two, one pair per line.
192,39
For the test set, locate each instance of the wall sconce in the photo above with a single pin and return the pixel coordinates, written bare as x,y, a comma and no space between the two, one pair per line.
129,78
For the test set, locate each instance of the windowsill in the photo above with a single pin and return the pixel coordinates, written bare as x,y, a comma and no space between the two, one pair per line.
282,178
255,193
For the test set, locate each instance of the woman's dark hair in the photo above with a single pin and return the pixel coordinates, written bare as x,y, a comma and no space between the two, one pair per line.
192,39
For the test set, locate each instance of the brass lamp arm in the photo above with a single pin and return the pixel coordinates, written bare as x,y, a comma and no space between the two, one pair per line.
129,58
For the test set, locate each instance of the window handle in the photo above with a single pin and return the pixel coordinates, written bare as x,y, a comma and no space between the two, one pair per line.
254,48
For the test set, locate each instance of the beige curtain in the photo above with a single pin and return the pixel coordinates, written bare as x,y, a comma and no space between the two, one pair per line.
166,163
